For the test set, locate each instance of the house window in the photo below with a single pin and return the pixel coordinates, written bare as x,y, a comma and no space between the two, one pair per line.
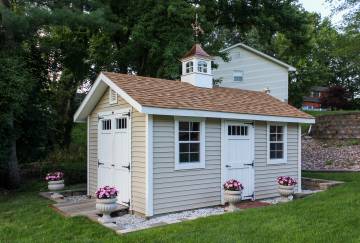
112,97
277,143
189,67
237,130
190,144
121,123
106,124
238,76
316,94
202,67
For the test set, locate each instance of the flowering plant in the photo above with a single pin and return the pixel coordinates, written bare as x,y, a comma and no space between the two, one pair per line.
54,176
286,181
106,192
233,185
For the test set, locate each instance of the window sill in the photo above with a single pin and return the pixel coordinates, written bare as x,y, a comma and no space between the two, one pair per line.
276,162
190,166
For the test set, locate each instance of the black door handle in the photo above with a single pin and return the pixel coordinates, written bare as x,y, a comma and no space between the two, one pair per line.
227,166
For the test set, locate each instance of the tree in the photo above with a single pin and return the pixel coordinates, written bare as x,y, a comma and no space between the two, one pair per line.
336,98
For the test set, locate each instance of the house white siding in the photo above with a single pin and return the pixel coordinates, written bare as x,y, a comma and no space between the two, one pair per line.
176,190
258,73
266,174
137,150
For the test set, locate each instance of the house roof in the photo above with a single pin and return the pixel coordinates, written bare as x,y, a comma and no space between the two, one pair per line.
289,67
196,50
311,99
319,88
169,97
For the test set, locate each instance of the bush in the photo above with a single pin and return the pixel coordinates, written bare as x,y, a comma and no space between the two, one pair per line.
71,161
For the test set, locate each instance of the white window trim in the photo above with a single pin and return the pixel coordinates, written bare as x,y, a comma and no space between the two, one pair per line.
190,68
276,161
194,165
242,76
111,92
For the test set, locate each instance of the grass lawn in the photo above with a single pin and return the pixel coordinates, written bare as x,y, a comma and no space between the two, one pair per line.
331,216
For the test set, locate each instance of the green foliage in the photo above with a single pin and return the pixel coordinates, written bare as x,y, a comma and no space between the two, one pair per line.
48,49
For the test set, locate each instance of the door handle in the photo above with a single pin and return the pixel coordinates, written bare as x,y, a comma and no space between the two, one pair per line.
112,165
227,166
100,163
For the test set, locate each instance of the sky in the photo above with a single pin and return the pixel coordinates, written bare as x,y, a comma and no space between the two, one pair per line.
321,7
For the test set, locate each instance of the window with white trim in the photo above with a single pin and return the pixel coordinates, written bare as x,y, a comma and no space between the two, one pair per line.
202,67
190,144
277,143
112,97
189,67
238,76
121,123
106,124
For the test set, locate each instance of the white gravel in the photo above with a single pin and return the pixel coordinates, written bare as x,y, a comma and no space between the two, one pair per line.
129,221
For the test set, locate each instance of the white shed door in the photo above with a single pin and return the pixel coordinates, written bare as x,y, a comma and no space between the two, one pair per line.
114,154
239,156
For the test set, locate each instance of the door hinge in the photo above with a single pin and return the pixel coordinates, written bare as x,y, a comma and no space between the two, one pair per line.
252,197
127,203
127,114
128,167
252,164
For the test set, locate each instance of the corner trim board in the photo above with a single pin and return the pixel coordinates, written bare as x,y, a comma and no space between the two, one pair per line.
149,166
299,158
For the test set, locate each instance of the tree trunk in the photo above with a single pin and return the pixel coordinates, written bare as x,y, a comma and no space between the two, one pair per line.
13,167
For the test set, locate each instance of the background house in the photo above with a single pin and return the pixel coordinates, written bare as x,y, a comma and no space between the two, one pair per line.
313,101
251,69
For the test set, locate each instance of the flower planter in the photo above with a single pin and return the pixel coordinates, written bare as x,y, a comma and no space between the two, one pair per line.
285,192
106,207
56,185
233,198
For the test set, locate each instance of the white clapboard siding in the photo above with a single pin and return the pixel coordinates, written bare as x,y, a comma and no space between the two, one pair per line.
259,73
184,189
137,152
266,174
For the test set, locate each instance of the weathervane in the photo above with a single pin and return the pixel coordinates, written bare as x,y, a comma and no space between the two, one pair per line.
197,28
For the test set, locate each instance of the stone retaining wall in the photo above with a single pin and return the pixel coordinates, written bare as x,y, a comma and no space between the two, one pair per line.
343,126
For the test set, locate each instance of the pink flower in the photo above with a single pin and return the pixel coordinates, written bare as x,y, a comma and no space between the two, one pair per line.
106,192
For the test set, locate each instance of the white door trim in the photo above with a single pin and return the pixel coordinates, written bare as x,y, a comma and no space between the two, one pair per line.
224,149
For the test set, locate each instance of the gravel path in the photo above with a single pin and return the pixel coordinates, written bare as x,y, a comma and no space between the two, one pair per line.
129,221
317,154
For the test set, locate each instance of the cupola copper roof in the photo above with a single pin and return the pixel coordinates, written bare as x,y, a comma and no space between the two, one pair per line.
196,50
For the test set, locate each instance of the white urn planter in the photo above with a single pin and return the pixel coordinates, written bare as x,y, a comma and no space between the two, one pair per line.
106,207
56,185
285,192
233,198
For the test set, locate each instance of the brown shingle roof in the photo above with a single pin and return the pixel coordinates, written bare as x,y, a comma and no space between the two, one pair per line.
162,93
196,50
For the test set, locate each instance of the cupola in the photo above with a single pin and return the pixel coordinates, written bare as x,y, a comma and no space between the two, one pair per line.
196,67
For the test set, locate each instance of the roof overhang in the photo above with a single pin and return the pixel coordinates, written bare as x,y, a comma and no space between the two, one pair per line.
224,115
95,94
102,82
289,67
